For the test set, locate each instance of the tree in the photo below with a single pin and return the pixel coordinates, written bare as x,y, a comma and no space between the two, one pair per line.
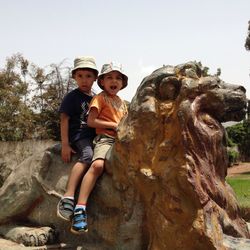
30,97
240,135
39,77
55,84
247,43
245,144
15,114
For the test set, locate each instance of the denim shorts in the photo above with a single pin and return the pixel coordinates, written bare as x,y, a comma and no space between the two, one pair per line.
84,149
102,144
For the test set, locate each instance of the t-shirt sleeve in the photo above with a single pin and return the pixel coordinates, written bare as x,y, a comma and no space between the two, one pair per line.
96,103
66,105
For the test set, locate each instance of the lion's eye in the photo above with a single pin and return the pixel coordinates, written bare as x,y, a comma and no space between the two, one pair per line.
148,91
215,85
168,88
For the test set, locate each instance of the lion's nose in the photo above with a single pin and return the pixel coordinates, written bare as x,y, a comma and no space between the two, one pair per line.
241,88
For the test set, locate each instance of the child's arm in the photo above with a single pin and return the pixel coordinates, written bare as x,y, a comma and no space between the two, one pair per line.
66,149
94,122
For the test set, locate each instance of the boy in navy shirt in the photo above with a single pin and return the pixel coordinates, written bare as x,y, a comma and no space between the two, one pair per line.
76,136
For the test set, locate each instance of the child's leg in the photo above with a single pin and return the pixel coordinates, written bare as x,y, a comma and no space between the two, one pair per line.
65,207
79,222
102,145
75,177
84,149
89,180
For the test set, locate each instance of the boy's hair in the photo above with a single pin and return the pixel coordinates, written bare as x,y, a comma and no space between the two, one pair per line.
85,62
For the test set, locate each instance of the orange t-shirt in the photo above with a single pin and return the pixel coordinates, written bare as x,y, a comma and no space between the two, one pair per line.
110,108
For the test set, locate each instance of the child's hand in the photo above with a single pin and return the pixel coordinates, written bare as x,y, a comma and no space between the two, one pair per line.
66,153
113,126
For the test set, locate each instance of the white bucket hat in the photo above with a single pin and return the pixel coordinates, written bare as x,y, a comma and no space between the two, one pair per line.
106,68
85,62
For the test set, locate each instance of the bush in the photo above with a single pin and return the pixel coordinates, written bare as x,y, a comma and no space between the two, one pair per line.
233,156
239,134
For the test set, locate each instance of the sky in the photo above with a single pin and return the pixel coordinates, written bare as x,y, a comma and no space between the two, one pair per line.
143,35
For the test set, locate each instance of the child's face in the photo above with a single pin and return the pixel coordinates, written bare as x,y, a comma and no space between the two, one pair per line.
112,82
84,79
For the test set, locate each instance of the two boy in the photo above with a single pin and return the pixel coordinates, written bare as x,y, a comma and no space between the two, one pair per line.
104,113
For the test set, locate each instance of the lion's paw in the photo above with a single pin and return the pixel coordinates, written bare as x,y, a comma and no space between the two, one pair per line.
32,236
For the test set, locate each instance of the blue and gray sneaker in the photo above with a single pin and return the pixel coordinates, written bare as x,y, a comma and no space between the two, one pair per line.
65,208
79,221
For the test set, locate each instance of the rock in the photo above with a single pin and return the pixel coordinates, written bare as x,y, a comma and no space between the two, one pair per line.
10,245
28,236
164,186
232,243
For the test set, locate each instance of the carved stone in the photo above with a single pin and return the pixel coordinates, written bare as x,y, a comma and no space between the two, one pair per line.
171,155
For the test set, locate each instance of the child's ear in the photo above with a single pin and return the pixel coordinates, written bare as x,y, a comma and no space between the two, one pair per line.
101,81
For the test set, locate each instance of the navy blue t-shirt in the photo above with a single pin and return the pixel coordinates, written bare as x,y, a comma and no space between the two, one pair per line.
76,104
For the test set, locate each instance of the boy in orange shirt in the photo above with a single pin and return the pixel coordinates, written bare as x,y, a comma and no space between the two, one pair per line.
105,112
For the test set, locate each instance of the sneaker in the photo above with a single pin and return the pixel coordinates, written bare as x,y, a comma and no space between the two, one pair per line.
65,208
79,221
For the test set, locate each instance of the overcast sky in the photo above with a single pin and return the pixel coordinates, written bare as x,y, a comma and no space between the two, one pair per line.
141,34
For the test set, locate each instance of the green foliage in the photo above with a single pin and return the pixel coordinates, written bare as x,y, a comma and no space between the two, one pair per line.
230,142
245,144
239,134
15,114
236,133
247,43
29,99
233,156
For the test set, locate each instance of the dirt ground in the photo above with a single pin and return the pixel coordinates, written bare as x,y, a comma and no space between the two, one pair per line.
243,167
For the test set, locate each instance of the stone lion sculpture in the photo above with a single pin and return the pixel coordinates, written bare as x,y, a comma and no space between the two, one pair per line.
164,186
172,154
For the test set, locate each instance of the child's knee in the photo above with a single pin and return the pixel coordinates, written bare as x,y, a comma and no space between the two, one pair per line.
97,167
